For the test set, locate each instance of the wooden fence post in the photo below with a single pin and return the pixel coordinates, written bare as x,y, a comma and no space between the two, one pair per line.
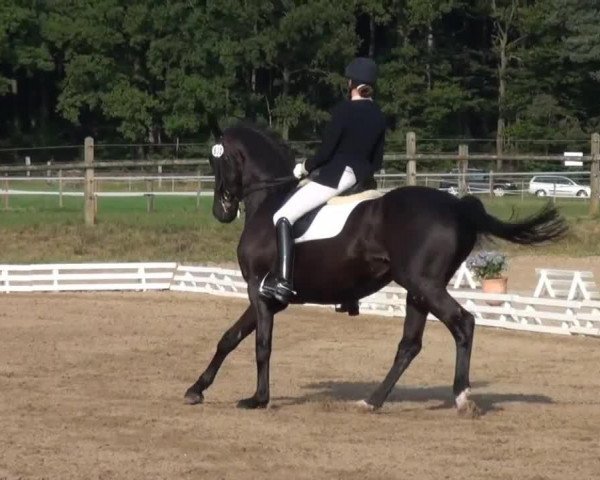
463,165
595,175
199,190
149,196
411,164
60,188
491,183
6,205
89,206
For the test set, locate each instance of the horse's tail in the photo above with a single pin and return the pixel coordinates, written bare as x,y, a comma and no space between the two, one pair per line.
544,226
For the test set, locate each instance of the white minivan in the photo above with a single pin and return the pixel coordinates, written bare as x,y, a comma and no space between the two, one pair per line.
552,185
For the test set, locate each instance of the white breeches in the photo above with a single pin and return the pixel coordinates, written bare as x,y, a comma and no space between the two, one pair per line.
311,196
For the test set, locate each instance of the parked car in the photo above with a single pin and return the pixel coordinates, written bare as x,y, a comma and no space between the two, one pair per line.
477,181
552,185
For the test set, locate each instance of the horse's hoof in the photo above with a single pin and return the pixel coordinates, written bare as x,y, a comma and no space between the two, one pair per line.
365,406
466,407
469,410
193,398
252,403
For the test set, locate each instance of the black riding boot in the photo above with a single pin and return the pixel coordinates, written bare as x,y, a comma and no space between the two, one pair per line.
281,288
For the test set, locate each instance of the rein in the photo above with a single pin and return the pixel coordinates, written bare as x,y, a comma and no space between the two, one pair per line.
275,182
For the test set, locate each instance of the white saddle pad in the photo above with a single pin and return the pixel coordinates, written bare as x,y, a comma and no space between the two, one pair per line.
331,219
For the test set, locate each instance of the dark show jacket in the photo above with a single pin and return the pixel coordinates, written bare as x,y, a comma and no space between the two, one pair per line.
355,138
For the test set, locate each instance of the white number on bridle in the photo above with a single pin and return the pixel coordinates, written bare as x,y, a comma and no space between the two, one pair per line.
217,150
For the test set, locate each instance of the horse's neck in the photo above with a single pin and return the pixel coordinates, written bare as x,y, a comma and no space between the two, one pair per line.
270,198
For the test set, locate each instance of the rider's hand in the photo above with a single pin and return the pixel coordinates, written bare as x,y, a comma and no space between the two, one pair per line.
300,171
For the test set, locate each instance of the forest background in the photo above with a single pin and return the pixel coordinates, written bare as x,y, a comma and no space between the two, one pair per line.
154,72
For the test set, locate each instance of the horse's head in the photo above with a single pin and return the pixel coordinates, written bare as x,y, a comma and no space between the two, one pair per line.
227,168
244,158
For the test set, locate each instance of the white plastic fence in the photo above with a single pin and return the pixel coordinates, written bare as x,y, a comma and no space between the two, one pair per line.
569,284
86,277
516,312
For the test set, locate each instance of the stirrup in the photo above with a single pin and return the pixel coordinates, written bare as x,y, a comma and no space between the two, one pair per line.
276,289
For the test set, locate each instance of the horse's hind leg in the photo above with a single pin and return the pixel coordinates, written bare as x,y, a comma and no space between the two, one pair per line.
462,327
409,347
229,341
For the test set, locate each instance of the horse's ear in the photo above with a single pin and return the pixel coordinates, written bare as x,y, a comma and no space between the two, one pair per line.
213,124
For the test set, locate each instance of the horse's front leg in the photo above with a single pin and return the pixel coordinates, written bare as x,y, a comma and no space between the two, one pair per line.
229,341
265,312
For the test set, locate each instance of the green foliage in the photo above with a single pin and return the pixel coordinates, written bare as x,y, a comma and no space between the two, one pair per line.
149,71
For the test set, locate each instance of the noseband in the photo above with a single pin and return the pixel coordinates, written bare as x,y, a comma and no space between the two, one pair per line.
227,196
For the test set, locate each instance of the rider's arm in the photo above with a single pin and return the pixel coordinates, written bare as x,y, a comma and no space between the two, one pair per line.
331,138
377,158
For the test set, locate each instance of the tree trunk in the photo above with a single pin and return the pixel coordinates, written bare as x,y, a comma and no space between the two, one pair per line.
371,36
44,111
502,66
15,95
429,53
285,127
499,143
32,111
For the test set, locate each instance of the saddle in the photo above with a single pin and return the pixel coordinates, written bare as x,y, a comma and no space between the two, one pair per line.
361,191
351,197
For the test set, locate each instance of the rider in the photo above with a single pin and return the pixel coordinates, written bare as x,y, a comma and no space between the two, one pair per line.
351,151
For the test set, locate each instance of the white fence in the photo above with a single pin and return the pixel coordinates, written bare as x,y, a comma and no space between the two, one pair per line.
516,312
86,277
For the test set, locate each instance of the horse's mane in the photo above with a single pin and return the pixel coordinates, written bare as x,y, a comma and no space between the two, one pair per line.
272,138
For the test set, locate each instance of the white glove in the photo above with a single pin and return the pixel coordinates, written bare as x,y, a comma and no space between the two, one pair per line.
300,171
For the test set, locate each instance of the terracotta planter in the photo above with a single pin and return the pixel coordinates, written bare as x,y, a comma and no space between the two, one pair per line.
494,285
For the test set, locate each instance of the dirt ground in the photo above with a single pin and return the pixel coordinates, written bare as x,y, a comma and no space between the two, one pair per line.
91,387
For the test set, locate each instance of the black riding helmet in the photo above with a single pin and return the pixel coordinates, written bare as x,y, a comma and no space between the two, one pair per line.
362,70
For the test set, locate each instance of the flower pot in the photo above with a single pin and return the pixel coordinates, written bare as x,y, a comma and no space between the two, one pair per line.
494,285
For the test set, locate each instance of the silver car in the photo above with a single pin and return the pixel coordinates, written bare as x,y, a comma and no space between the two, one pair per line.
555,186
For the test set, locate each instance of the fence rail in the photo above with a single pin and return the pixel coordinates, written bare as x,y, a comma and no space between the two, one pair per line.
151,187
543,315
411,157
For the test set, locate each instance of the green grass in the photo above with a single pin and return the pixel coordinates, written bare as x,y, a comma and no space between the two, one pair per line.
571,208
584,231
36,229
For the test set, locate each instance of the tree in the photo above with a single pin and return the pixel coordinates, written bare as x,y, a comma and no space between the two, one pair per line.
420,85
305,44
507,36
148,70
104,47
581,47
26,59
582,43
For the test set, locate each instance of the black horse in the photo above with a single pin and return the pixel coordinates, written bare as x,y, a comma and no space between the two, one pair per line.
415,236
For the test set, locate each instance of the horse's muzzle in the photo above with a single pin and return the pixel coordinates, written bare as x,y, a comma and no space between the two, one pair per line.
225,207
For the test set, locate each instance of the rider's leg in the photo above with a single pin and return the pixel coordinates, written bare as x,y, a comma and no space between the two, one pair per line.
312,195
304,200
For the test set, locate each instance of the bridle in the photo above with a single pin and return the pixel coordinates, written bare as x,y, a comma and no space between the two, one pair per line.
227,196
